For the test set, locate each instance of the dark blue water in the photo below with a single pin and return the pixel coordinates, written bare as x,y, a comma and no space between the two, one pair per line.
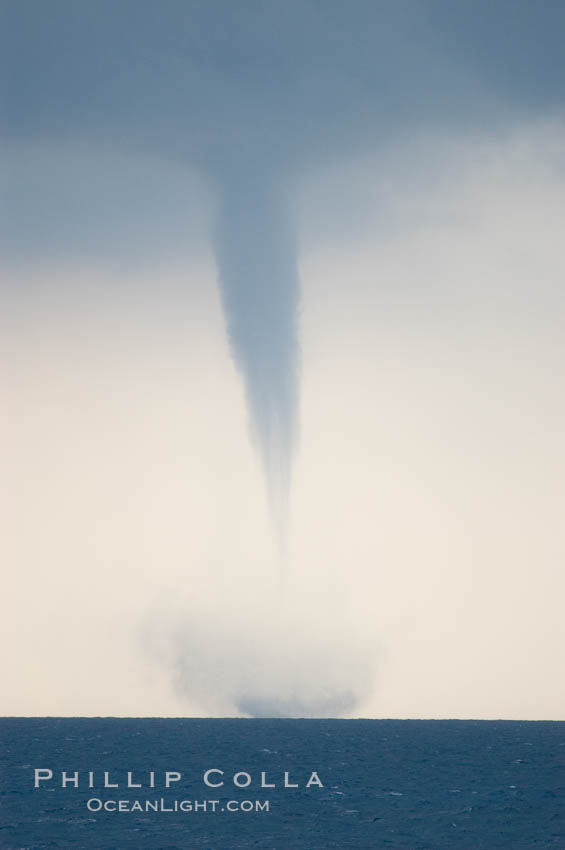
403,785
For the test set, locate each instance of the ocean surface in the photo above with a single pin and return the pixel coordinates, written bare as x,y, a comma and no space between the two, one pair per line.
396,784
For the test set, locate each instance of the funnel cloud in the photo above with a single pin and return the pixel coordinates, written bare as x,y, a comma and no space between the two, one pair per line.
257,268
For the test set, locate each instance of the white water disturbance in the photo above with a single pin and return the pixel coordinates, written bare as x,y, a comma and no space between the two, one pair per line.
257,267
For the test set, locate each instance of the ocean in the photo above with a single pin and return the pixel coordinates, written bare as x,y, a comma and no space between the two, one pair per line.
367,784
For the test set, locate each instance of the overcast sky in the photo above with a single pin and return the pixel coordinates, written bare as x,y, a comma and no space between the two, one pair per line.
411,157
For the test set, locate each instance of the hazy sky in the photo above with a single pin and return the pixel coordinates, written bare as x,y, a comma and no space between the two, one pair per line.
170,172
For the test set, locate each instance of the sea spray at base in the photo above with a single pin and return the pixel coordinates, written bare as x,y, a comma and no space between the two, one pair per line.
275,655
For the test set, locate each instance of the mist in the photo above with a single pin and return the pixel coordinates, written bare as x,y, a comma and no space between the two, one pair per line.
264,659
